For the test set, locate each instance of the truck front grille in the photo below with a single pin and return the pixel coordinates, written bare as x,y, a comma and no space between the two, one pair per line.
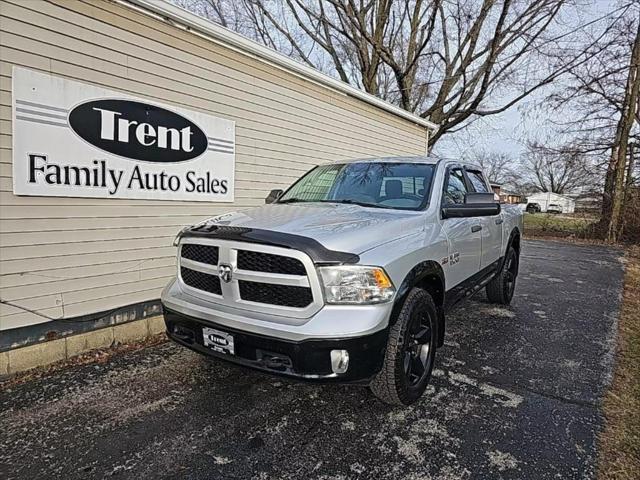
273,294
272,278
269,263
200,253
201,281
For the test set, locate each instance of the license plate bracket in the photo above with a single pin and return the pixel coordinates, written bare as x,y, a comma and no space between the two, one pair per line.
218,341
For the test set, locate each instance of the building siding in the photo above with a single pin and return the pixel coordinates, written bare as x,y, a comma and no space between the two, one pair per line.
67,257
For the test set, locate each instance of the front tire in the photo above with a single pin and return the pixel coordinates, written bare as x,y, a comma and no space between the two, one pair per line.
410,352
500,289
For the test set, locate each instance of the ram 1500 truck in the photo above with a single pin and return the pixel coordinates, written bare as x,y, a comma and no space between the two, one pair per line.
347,275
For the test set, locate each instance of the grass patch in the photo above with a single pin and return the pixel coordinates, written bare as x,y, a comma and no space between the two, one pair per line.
559,226
619,453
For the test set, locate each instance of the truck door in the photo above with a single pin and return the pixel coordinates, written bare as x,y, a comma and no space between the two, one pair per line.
463,233
491,233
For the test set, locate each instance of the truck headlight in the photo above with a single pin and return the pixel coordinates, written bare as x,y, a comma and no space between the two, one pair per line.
356,284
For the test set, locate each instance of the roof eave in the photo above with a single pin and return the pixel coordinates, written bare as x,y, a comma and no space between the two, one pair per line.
180,17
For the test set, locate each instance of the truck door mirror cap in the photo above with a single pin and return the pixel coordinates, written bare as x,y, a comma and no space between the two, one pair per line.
274,195
475,205
475,198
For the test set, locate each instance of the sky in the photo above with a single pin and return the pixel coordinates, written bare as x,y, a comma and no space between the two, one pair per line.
505,132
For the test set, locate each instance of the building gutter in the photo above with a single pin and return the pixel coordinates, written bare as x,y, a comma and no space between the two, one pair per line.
181,18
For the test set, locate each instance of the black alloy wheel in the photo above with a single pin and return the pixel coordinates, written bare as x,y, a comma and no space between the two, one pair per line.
501,288
510,274
418,348
410,352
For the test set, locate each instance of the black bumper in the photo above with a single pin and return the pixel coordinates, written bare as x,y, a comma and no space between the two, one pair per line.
308,360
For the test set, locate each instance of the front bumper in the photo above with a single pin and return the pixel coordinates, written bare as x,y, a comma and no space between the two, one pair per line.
331,321
306,360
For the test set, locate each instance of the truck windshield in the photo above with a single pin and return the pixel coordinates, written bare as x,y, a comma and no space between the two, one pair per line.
371,184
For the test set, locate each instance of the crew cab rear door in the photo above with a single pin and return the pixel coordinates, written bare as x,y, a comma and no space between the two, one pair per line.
463,234
491,233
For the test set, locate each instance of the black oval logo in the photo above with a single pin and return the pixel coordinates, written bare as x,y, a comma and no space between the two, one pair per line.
138,131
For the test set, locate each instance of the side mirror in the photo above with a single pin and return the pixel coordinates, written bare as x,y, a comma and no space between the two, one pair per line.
274,195
475,205
473,198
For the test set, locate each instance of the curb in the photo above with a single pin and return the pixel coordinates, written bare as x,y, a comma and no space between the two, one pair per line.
41,354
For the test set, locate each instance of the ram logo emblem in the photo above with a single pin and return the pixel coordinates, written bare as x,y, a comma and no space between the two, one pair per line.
225,272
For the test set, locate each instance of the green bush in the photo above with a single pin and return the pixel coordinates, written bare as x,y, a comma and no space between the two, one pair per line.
564,226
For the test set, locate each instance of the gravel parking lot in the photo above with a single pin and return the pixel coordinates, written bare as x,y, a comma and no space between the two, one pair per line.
516,394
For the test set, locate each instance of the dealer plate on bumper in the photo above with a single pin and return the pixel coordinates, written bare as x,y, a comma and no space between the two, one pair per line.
218,341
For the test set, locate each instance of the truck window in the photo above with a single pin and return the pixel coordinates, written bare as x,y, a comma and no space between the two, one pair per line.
477,180
456,188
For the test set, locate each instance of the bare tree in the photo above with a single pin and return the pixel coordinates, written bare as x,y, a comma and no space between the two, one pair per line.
590,98
614,186
449,61
500,167
546,170
228,13
598,109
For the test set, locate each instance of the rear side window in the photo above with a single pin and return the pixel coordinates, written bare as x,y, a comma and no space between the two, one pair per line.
477,180
456,188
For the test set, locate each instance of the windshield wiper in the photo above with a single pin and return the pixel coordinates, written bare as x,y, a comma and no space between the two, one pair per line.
355,202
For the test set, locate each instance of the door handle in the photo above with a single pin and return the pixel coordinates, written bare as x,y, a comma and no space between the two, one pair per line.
476,228
499,221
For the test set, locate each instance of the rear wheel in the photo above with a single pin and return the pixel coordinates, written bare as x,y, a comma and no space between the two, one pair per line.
410,352
501,288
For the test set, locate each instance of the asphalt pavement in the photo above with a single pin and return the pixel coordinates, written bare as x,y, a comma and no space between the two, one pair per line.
516,393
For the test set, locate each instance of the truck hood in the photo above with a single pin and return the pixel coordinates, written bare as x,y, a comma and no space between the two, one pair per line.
345,228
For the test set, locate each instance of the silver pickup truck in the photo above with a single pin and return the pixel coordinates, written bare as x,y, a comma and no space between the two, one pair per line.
347,275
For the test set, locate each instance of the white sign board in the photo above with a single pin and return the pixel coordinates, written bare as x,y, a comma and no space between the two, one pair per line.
72,139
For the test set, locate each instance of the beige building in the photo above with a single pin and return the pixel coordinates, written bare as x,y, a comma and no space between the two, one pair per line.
505,195
73,261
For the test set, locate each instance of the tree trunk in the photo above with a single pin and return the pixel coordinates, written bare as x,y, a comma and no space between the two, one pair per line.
614,188
627,190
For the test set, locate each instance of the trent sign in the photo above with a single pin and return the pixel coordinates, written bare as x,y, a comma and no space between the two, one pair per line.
77,140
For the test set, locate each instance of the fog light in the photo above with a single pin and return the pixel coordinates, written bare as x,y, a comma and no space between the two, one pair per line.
339,361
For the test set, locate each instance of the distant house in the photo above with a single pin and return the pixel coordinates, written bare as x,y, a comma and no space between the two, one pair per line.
505,195
544,199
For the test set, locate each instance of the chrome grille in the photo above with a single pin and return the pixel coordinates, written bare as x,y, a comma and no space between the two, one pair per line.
264,278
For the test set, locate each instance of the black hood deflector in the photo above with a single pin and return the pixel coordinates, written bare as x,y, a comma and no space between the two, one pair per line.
316,251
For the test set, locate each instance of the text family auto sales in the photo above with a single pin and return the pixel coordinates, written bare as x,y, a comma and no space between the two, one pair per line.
113,179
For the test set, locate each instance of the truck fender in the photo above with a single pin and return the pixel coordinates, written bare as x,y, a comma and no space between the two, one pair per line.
430,276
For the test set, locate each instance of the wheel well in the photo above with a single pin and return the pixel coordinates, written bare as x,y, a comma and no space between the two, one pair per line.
433,284
515,242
